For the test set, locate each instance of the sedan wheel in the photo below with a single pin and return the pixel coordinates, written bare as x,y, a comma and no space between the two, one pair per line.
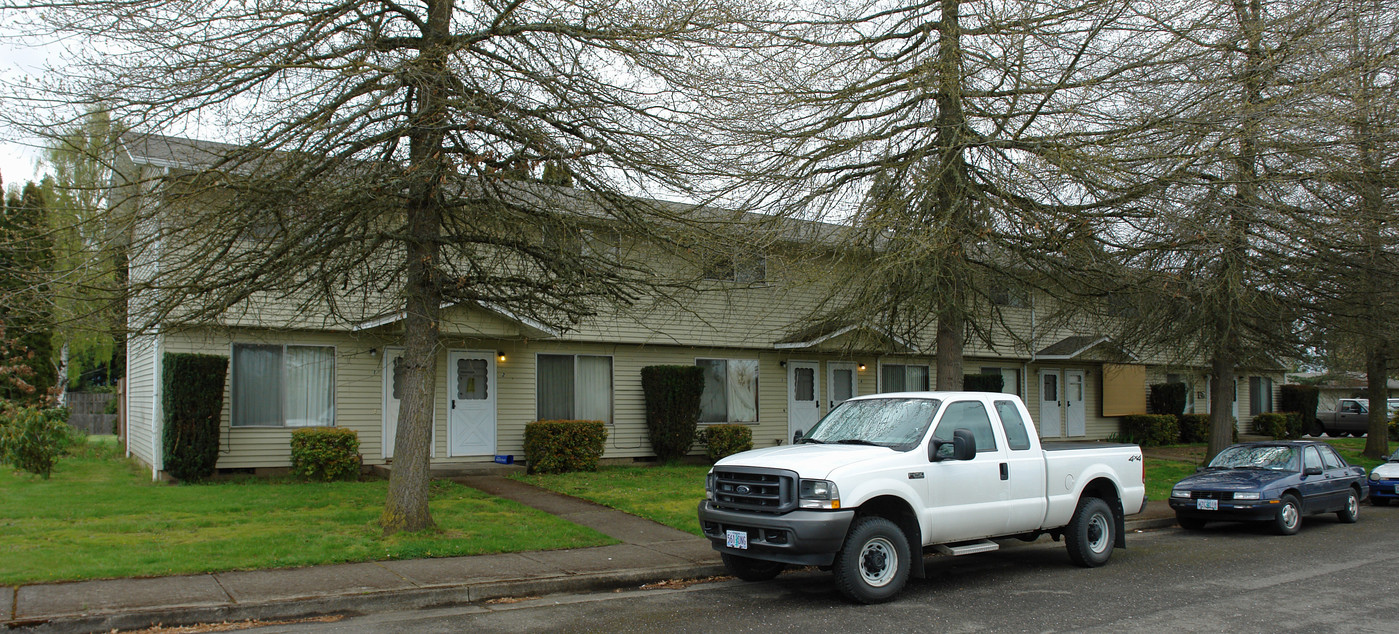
1289,518
1352,509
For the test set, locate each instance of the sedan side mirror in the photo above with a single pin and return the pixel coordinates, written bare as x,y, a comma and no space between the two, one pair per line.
1311,471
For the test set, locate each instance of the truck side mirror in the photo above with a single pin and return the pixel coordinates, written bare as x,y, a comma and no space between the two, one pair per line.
963,445
796,436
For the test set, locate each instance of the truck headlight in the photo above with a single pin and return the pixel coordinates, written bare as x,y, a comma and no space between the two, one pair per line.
1245,495
1180,493
819,494
711,482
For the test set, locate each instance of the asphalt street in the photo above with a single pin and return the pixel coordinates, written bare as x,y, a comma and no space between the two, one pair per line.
1331,577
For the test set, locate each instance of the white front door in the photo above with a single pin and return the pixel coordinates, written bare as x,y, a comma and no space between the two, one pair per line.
840,377
393,401
393,396
803,396
1049,404
471,398
1075,415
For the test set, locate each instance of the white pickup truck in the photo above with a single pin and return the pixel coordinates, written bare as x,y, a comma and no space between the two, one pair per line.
884,476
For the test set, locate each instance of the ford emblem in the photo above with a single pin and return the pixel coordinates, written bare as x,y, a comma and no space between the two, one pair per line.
743,489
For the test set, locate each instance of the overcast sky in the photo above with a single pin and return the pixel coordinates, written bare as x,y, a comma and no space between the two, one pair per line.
18,153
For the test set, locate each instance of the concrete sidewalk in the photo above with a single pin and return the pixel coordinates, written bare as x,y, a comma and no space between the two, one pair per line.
650,552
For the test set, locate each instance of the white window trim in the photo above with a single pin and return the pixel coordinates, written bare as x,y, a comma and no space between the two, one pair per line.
612,380
757,391
334,384
879,376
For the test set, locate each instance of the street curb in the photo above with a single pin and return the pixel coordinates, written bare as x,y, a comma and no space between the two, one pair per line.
358,604
1148,524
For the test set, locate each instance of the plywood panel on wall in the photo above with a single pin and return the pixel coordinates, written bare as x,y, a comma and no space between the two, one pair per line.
1124,389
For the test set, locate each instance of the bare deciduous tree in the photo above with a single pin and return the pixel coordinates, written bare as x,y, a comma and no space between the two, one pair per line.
381,160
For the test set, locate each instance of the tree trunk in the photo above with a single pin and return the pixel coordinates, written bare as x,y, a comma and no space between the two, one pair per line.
407,506
1221,405
949,352
62,382
1377,390
951,204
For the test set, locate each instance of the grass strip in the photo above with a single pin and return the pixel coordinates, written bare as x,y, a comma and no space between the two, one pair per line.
100,516
666,494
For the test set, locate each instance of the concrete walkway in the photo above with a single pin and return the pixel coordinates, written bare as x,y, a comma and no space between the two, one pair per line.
649,553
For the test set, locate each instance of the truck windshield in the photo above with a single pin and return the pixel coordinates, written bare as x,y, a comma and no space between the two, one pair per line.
897,423
1265,457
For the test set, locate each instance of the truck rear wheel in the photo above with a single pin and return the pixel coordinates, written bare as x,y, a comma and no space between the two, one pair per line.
749,569
1090,535
873,564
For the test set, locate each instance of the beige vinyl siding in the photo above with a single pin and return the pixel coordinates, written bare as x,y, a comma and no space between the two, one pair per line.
140,394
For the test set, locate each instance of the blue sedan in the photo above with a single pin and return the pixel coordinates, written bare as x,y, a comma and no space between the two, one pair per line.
1275,482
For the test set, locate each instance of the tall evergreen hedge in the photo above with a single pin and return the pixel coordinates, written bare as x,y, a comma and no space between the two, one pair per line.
672,407
1167,398
983,382
1299,398
192,397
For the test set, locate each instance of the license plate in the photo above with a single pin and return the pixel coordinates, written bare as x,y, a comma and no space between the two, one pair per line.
736,539
1207,505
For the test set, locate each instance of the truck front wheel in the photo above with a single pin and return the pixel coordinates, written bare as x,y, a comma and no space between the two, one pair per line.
873,564
1089,534
749,569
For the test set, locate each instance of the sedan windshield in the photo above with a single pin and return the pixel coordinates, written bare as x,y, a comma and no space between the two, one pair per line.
898,423
1274,457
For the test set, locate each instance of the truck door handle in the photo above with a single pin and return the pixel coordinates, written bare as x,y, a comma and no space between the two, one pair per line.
1005,471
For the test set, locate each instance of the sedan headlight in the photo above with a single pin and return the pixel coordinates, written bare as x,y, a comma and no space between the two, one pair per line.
819,494
1373,477
1245,495
1180,493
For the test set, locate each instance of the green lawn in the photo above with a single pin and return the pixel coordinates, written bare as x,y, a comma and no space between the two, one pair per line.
1162,474
100,516
665,494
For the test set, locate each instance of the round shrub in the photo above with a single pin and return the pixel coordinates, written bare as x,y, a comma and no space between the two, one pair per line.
727,439
325,453
559,446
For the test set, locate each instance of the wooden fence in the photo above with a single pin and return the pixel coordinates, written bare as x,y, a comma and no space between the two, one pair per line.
87,411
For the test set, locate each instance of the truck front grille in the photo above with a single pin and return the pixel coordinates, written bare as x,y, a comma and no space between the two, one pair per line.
755,489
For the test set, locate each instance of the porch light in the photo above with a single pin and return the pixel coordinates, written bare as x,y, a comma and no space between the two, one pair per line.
862,367
500,354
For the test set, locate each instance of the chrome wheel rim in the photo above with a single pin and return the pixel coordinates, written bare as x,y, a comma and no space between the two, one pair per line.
1098,533
878,562
1353,505
1289,515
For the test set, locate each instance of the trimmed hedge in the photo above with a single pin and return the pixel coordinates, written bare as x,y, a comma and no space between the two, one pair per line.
192,398
559,446
33,439
1167,398
727,439
983,383
1194,428
325,453
1151,430
672,407
1299,398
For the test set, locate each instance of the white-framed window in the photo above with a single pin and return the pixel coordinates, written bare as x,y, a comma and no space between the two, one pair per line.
740,268
1260,394
730,391
899,377
1010,378
282,385
1010,296
573,387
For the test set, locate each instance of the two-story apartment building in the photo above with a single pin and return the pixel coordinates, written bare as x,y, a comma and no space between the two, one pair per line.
748,326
